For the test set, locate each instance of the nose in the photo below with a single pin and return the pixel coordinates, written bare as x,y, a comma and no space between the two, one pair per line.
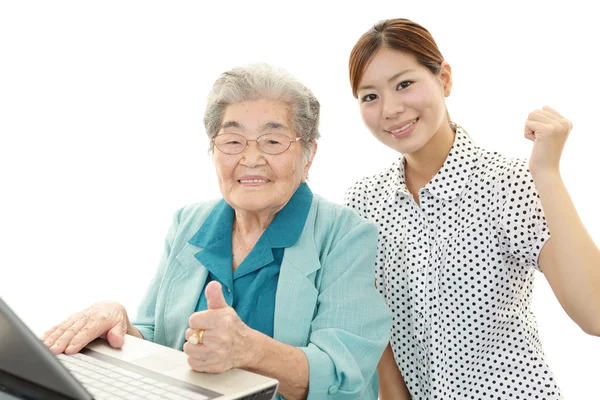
252,156
391,107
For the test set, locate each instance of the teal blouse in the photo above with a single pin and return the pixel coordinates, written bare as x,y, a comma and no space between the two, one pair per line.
251,289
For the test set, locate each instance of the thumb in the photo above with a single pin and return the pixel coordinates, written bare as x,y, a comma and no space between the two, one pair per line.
214,296
116,336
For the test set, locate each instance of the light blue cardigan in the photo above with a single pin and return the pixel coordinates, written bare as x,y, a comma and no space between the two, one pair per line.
326,302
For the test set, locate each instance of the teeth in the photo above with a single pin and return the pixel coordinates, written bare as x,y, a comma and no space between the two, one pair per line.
404,127
252,180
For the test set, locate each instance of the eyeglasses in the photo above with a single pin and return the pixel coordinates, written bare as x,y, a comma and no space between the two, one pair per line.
269,143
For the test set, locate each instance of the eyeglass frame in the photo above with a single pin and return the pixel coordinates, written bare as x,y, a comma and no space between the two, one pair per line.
256,140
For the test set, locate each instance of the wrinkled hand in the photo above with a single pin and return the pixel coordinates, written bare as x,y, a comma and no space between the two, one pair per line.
549,131
107,320
226,342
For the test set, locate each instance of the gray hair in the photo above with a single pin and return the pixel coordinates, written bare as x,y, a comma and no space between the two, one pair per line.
264,81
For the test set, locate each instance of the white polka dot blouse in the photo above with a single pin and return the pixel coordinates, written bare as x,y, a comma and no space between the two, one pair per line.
457,273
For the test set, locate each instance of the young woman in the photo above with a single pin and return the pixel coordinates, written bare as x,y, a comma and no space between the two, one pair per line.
462,231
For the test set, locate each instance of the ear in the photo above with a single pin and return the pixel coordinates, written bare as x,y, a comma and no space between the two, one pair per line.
309,163
446,78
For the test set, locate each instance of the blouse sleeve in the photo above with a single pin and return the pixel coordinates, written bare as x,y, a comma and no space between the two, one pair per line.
356,199
522,217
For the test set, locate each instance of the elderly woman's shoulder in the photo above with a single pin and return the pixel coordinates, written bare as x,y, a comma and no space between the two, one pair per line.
330,225
192,216
194,210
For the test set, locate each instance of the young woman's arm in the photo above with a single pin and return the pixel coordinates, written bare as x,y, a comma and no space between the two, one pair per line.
570,259
391,383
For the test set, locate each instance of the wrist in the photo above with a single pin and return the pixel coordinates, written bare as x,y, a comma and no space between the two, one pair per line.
545,176
543,167
257,346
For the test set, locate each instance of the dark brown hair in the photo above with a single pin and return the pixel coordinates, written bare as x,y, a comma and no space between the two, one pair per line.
396,34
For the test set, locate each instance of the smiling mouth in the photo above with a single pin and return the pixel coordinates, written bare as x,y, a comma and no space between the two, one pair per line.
405,127
253,180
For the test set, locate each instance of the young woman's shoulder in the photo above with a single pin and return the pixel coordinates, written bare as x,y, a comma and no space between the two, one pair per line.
373,187
502,169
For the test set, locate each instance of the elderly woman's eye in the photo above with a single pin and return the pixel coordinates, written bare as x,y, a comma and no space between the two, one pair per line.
230,141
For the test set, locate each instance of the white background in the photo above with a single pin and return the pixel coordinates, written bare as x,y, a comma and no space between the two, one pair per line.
101,107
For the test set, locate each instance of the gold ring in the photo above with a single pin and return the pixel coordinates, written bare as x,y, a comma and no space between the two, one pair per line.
196,338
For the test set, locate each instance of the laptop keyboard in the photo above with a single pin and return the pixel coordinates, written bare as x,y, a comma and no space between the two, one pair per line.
106,381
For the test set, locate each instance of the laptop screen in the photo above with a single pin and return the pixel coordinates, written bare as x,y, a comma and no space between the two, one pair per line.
25,360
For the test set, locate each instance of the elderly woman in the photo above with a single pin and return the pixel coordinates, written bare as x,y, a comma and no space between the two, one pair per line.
271,278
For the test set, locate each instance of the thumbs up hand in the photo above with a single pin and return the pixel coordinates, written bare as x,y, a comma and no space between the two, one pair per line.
219,340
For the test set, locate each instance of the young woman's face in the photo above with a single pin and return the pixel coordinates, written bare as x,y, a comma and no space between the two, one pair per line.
401,102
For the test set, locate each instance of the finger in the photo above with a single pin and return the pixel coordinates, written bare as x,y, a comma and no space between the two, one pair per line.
541,116
552,111
67,322
199,356
50,331
116,335
189,332
209,337
534,127
214,296
211,365
198,351
201,320
196,364
208,364
83,338
96,326
207,332
58,331
65,339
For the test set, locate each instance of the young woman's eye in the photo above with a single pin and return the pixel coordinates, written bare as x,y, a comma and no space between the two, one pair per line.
403,85
368,98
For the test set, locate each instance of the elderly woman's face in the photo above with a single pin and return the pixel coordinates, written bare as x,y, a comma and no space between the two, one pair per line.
253,180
